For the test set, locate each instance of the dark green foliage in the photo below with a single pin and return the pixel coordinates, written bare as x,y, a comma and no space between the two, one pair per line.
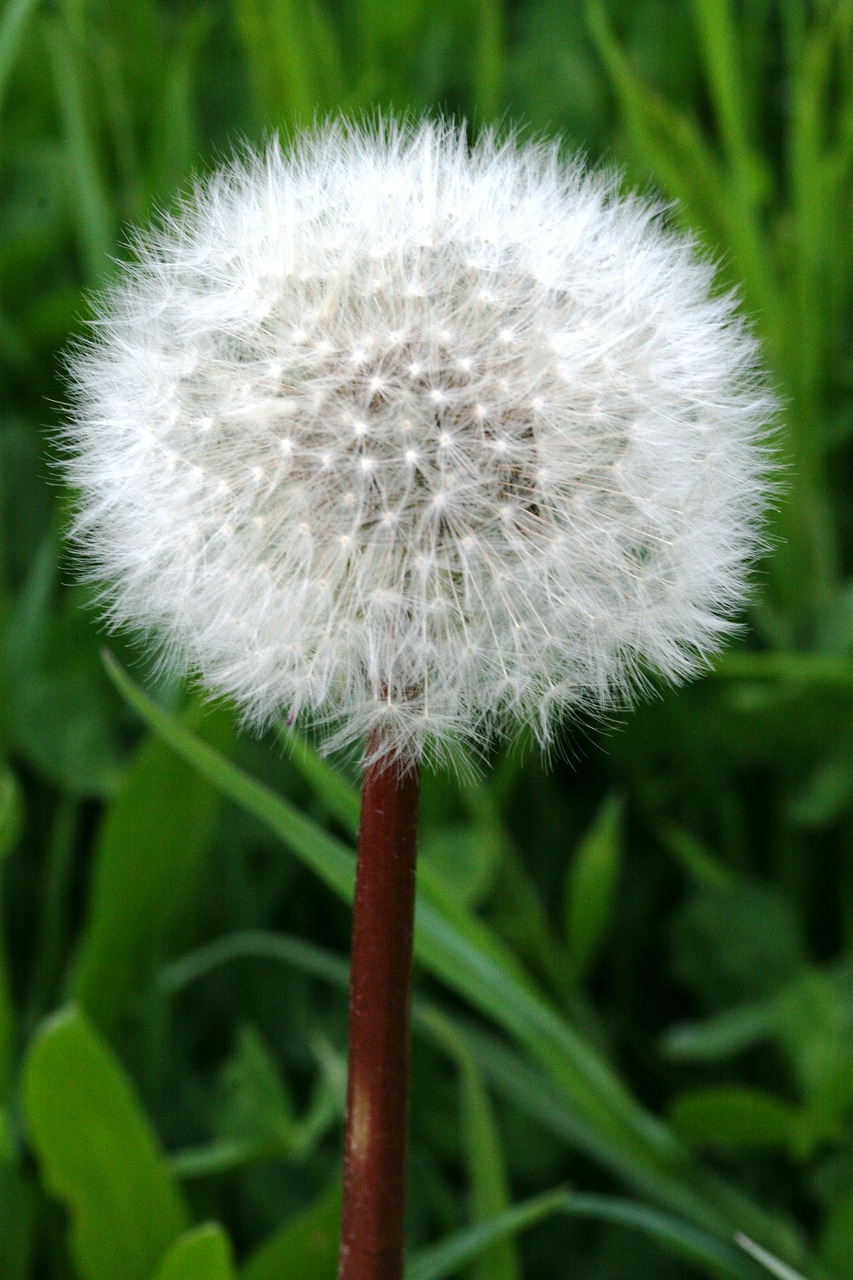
634,981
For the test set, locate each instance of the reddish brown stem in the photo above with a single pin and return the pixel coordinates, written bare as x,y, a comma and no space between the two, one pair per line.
380,998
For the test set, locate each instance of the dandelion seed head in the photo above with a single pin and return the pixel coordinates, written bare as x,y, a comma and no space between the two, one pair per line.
455,436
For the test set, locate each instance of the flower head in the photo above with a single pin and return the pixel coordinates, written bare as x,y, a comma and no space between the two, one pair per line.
394,433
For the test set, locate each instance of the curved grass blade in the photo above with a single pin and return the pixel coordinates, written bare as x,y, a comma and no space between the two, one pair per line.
675,1237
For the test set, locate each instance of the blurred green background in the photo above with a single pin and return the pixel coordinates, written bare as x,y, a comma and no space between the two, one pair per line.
634,989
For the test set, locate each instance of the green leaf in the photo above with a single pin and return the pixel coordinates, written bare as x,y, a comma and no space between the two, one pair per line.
331,860
685,165
489,58
698,862
487,1176
675,1237
255,943
461,951
511,1075
451,1255
292,57
15,17
814,1031
89,195
486,1172
772,1265
149,856
306,1247
821,670
174,121
11,811
669,142
98,1153
201,1254
836,1238
18,1199
740,943
538,1097
258,1117
11,820
720,42
720,1038
735,1118
257,1102
591,886
335,791
61,713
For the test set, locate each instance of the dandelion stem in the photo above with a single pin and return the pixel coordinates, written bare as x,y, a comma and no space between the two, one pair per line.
380,999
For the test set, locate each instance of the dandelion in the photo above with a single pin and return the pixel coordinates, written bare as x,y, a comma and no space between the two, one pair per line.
420,443
388,434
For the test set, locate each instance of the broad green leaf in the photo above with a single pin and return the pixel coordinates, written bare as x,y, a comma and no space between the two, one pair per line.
258,1119
258,1103
149,856
201,1254
591,886
734,1118
98,1153
814,1028
305,1248
674,1237
814,1031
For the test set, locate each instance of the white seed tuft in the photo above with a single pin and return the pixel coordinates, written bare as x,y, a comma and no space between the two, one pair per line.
478,524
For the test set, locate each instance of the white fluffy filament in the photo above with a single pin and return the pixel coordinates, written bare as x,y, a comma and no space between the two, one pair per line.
389,431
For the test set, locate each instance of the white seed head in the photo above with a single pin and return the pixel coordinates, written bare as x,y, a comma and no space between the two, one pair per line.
398,434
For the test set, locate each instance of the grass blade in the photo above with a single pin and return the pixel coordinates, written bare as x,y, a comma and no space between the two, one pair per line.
90,198
12,26
446,1259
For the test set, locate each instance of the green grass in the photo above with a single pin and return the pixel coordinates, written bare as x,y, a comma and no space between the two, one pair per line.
634,978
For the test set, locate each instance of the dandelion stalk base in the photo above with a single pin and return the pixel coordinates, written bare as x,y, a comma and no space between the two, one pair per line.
380,998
